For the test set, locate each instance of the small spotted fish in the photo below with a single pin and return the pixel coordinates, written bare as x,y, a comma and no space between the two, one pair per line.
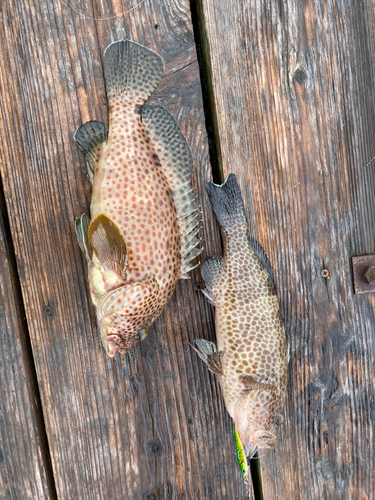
241,454
142,235
250,359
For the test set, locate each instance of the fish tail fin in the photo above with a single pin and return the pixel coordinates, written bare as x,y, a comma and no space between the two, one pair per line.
226,202
132,71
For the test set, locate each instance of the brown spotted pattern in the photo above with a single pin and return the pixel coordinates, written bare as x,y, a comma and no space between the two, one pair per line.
141,181
250,331
135,195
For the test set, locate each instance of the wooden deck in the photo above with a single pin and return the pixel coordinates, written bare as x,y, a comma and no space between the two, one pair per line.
290,108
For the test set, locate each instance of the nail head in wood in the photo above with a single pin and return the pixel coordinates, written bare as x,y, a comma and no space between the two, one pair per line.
325,273
364,274
47,310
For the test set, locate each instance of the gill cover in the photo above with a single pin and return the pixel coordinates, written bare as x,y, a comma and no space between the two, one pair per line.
125,312
255,420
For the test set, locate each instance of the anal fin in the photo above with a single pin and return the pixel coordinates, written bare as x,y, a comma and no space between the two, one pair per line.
211,271
91,137
108,244
207,351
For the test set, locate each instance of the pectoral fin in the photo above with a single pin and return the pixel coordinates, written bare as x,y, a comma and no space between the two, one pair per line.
108,244
207,351
251,384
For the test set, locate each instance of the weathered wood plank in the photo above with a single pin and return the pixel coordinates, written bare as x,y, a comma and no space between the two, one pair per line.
24,464
150,424
294,98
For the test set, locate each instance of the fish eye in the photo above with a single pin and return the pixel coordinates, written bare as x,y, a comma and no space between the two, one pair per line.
279,419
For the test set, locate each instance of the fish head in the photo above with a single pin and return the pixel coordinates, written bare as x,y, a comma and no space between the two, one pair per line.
255,417
114,340
124,314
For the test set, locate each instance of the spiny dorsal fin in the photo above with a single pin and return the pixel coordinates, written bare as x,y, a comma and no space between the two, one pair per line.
91,137
108,244
207,351
177,165
82,227
131,70
263,257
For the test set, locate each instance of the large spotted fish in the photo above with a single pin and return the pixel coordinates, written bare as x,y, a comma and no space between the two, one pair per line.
251,358
142,235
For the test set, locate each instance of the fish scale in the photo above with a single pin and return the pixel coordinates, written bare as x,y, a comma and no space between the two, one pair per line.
250,359
142,235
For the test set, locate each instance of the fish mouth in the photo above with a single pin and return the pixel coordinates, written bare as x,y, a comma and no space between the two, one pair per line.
111,346
111,349
263,440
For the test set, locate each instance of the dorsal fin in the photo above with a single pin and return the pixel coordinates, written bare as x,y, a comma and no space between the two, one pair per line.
263,257
91,137
177,164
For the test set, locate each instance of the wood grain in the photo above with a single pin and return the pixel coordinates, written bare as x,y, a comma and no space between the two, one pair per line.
293,89
24,467
151,424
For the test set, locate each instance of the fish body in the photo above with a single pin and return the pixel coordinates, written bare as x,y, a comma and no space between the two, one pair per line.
142,235
250,358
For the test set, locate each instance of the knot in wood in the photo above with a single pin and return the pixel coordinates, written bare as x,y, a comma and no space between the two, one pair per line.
155,448
300,76
150,496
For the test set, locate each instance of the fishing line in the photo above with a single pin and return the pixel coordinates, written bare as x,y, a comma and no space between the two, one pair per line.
103,18
368,163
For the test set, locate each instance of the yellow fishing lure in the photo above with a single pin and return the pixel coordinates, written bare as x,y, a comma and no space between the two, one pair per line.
241,456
